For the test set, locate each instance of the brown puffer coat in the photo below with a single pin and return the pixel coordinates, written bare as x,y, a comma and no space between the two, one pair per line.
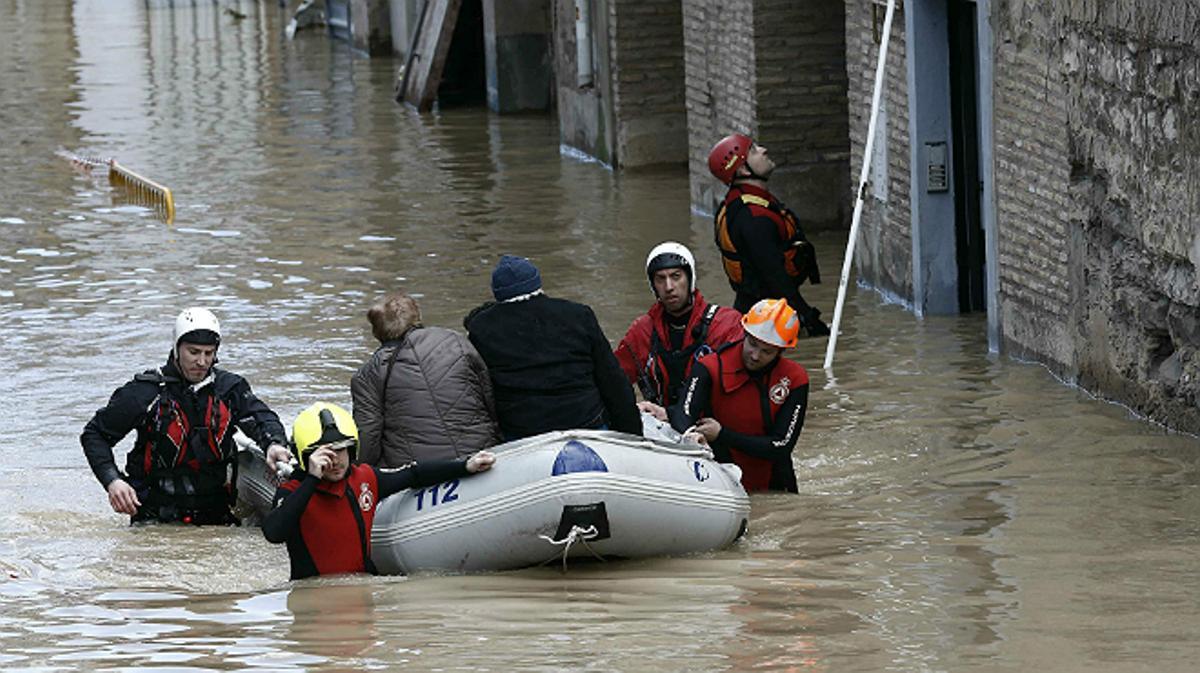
438,405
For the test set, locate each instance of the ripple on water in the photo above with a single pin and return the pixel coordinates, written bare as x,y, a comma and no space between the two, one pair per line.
215,233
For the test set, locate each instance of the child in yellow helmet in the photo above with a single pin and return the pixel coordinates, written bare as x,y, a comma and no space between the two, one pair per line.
325,512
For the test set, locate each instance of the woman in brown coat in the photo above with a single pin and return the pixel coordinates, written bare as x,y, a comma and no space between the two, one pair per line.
425,393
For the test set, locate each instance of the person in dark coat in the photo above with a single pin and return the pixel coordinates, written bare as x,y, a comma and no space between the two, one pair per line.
424,394
185,414
551,366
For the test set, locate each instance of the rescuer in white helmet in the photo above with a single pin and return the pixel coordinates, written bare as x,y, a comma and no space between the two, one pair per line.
183,464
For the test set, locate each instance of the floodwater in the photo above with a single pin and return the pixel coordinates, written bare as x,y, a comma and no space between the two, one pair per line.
958,511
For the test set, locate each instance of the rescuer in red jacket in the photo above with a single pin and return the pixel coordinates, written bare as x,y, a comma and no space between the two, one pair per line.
748,401
657,352
325,514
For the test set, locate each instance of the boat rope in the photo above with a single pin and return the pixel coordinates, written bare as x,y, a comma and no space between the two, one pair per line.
577,534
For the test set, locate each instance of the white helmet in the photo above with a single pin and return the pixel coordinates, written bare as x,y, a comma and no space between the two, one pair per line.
200,325
670,255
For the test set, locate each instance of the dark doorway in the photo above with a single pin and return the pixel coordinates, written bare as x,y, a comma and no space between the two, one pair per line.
964,108
464,76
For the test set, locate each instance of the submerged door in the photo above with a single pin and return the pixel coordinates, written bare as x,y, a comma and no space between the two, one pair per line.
964,107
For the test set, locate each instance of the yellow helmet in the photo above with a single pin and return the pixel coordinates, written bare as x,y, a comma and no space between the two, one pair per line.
772,321
323,424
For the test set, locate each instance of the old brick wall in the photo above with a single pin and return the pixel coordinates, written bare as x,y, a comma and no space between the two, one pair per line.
884,249
1096,196
800,77
585,113
1032,181
776,70
720,89
648,82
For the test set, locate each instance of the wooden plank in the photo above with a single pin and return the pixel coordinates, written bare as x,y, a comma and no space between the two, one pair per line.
427,56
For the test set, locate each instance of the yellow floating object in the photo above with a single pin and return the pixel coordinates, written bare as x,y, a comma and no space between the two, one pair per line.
142,190
136,189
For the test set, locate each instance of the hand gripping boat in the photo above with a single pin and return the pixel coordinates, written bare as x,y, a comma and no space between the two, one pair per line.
558,495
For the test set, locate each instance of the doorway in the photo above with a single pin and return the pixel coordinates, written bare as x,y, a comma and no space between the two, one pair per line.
971,259
464,75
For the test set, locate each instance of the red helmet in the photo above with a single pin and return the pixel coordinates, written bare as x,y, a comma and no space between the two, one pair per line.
729,153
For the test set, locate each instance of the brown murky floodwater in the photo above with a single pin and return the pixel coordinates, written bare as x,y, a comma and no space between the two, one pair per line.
958,511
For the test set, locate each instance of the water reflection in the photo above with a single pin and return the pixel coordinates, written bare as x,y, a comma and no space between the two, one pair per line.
957,511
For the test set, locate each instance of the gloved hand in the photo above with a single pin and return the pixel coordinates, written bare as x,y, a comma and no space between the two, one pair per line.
811,321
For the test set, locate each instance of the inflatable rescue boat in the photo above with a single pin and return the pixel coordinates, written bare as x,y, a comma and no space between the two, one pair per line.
552,497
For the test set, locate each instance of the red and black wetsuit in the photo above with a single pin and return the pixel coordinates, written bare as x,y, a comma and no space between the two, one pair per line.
327,524
180,462
761,414
659,359
764,252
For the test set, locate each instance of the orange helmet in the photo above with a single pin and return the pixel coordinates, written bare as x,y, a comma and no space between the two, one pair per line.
727,155
772,321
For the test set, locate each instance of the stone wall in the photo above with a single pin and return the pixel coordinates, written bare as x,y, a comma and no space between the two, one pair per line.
1132,90
775,69
884,250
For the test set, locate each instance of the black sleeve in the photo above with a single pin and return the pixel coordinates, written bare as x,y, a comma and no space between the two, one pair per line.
694,405
256,419
763,251
693,402
421,474
619,402
125,411
288,506
786,430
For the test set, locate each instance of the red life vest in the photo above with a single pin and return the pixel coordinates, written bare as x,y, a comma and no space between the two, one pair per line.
171,441
749,406
336,525
645,356
799,259
185,465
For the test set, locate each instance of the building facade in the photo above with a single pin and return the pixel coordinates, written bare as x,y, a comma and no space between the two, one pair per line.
1034,161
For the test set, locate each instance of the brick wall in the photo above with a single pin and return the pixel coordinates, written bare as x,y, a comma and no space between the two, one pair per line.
776,70
884,248
1032,179
719,66
648,81
800,77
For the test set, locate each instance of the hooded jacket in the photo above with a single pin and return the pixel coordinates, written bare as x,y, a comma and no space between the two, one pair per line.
436,403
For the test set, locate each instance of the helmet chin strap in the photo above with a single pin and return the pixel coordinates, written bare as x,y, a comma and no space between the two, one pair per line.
752,175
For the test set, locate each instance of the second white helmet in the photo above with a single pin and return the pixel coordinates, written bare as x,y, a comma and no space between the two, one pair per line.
199,325
670,255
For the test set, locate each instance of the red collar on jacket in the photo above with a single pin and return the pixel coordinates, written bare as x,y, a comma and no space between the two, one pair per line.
335,488
733,371
753,190
658,318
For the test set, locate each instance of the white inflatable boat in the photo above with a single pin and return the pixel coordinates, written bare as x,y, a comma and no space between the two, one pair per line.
555,496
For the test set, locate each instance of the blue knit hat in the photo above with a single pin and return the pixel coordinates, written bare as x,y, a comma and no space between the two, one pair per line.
513,277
